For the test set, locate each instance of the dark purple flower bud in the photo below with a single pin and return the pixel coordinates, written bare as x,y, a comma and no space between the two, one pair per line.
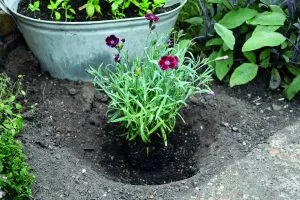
170,43
117,58
112,41
168,62
123,40
151,17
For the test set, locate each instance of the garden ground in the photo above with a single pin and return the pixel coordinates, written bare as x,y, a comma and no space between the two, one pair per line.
247,144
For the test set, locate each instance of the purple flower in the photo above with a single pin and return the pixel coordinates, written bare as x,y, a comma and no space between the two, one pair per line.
117,58
151,17
168,62
112,41
170,43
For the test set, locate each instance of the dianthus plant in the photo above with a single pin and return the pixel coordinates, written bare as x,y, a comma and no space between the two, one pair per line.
147,94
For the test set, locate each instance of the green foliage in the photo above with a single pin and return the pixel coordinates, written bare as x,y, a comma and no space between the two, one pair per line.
54,7
292,89
226,35
64,5
145,99
68,10
118,7
15,177
92,7
263,32
34,7
243,74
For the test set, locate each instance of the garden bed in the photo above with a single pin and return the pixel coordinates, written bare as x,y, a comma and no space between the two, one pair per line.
75,154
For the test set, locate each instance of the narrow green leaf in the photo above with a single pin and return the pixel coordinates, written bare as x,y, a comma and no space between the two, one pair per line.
263,39
226,35
243,74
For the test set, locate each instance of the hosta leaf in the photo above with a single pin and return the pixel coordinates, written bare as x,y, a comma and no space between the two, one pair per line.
265,28
243,74
250,56
226,35
294,69
264,57
237,17
214,42
275,79
222,67
263,39
291,90
276,8
269,19
195,21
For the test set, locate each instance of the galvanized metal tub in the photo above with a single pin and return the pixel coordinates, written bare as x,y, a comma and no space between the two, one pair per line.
67,49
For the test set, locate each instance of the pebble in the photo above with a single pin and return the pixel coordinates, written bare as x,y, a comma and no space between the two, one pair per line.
225,124
29,115
276,107
73,91
83,171
235,129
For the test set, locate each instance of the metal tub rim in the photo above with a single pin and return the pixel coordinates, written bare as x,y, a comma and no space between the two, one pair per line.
23,17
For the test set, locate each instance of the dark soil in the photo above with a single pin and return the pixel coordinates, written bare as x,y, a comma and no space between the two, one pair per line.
75,154
45,13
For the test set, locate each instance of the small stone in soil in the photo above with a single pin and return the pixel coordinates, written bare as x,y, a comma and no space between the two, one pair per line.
276,107
73,91
225,124
235,129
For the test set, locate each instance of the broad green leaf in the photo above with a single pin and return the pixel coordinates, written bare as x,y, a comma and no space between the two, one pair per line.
265,28
287,55
215,1
275,79
294,69
90,10
268,18
243,74
158,2
214,42
263,39
212,56
222,67
291,90
265,54
97,8
235,18
57,16
195,21
264,57
250,56
276,8
226,35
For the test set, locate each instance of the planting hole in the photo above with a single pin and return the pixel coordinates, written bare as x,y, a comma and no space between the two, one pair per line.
129,163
